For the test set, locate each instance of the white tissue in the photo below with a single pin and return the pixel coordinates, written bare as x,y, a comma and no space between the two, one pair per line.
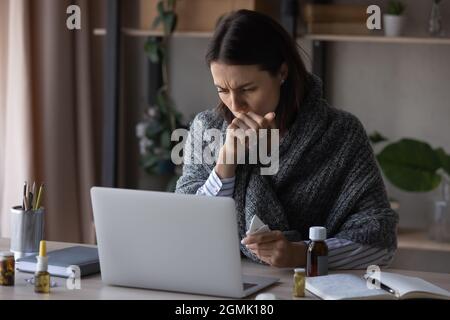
257,226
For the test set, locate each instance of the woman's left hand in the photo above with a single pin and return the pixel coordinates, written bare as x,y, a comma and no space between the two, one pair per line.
274,249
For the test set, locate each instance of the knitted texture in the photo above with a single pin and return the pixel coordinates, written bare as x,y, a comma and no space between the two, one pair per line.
327,176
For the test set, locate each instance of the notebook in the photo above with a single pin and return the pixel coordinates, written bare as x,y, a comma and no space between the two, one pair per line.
349,286
85,258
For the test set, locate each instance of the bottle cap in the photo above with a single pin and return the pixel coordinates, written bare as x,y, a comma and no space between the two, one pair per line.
317,233
42,248
299,270
42,264
6,254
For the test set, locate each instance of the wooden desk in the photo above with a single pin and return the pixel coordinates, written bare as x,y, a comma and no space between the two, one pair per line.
93,288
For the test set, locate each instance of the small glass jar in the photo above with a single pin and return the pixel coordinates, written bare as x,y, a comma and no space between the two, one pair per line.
299,282
7,268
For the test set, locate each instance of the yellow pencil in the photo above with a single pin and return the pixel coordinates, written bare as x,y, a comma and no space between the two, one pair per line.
38,200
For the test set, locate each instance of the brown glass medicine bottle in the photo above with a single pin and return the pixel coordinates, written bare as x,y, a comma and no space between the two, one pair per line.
317,253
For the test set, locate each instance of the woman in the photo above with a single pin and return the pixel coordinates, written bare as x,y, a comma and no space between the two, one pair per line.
327,171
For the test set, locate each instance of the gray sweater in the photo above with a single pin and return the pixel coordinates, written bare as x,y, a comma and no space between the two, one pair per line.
327,176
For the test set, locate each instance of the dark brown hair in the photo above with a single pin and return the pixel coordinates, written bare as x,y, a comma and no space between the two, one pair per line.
247,37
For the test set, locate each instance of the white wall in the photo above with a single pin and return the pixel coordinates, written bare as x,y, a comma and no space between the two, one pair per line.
192,85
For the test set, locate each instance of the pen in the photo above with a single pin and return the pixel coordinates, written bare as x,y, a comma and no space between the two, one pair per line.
25,200
30,200
33,195
388,289
24,195
382,285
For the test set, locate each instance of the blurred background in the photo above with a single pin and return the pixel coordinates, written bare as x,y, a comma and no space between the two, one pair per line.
96,105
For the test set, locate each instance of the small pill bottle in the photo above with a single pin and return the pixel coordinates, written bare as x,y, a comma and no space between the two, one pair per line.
317,253
299,282
7,268
42,277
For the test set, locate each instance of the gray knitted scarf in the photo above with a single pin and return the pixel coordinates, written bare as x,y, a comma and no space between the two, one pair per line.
327,176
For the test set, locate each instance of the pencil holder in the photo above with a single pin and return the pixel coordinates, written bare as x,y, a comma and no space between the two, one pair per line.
27,230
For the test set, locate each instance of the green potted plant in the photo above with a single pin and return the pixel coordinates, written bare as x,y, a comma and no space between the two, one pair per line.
161,119
414,166
394,19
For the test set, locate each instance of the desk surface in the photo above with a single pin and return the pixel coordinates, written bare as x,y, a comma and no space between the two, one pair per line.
93,288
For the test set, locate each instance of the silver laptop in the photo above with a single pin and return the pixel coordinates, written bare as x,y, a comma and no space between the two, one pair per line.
173,242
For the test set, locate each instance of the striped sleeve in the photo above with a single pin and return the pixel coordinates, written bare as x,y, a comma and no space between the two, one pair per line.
216,187
345,254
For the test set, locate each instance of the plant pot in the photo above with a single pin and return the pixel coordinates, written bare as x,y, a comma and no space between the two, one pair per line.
393,25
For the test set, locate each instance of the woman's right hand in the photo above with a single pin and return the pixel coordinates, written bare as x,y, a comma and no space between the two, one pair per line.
227,161
237,140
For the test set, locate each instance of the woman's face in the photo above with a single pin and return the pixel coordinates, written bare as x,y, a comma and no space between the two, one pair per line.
247,88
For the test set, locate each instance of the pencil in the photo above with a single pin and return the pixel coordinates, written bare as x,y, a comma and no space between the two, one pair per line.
38,200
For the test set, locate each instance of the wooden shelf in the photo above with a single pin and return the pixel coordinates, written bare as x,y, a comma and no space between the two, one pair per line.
375,39
150,33
311,37
413,239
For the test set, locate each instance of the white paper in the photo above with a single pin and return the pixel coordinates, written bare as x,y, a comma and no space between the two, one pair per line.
257,226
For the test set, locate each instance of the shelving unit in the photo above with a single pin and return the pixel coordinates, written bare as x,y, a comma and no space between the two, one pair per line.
149,33
289,15
416,239
311,37
376,39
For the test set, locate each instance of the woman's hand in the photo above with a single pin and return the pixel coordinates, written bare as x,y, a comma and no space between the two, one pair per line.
235,140
251,123
274,249
227,161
